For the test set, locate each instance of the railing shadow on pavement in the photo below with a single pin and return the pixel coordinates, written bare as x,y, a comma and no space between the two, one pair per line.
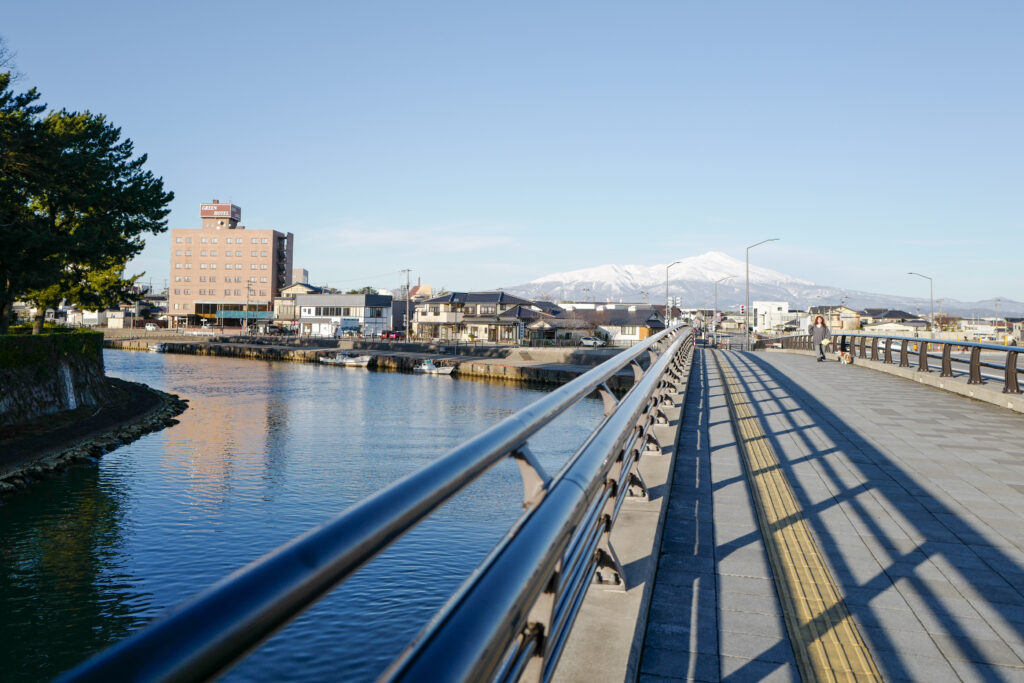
945,535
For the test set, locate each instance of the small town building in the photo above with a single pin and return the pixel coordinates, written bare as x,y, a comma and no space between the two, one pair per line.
769,316
339,315
474,316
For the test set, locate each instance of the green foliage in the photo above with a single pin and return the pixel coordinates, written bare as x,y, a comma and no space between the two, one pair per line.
74,204
363,290
18,351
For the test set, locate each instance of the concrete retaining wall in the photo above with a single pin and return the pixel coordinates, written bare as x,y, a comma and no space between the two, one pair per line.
46,374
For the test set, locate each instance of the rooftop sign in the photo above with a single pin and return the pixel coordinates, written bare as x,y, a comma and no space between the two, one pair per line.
218,210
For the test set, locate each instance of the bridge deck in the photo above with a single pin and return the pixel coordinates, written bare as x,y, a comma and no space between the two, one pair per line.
913,497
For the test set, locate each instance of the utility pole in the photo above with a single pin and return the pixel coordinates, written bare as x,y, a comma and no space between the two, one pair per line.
408,304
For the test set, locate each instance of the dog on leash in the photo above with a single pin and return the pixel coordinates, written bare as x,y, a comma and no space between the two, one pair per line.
845,358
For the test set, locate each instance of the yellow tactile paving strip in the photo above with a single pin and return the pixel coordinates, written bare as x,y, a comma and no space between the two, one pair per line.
826,642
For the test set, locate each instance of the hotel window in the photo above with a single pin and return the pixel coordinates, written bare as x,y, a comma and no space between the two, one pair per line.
263,266
178,240
228,239
177,265
188,291
177,291
255,241
263,279
177,307
263,292
213,240
238,292
252,253
188,240
188,265
213,278
202,291
178,253
239,266
263,254
252,266
213,252
264,240
177,278
213,266
238,254
238,279
188,253
188,278
202,253
202,266
227,266
203,240
202,278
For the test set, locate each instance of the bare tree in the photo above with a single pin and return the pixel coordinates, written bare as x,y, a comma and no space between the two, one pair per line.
7,60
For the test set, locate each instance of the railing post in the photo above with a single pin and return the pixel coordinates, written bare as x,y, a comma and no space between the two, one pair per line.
888,351
975,377
874,348
922,358
863,351
904,360
947,360
1010,385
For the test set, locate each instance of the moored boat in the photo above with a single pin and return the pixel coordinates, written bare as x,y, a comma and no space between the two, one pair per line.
347,359
429,367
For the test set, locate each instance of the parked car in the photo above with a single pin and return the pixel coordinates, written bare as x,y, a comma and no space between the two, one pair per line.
592,341
392,334
152,327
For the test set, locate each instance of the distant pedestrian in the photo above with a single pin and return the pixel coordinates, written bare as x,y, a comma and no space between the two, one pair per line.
819,334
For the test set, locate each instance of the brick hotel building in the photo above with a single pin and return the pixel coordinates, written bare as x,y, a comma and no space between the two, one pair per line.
223,273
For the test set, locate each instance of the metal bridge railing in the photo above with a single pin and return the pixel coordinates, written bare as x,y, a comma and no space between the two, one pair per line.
881,348
511,618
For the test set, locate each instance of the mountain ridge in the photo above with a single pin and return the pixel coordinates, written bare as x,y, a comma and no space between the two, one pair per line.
692,279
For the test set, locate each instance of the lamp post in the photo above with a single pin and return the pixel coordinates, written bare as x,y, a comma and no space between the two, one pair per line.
931,301
746,311
714,315
668,309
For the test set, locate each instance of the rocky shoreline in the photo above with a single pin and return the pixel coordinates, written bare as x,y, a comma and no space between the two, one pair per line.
29,457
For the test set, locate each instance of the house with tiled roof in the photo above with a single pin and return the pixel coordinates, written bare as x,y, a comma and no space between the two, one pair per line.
623,323
475,316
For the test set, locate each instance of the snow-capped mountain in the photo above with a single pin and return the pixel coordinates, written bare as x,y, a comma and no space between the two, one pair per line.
693,280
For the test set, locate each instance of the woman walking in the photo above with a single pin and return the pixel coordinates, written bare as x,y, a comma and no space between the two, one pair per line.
819,333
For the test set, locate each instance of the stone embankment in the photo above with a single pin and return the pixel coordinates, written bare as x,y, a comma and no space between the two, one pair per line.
488,363
51,445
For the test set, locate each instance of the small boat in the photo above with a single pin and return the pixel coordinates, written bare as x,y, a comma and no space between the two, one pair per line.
430,368
347,359
157,348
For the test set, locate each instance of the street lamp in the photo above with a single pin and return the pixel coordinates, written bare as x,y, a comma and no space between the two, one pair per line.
714,320
668,314
931,302
746,312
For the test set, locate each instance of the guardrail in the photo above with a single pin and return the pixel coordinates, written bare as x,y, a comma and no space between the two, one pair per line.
859,345
512,617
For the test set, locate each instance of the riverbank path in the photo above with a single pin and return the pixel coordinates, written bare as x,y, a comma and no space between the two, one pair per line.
829,522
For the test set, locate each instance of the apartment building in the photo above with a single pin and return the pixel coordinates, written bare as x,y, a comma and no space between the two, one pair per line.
224,273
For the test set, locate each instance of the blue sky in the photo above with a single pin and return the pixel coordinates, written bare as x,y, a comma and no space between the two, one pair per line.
485,144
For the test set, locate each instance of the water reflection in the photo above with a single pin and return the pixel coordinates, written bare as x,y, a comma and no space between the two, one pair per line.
265,451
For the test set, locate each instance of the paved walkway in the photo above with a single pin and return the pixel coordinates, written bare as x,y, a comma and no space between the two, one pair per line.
914,497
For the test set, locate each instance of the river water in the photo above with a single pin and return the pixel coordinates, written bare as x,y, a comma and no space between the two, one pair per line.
265,451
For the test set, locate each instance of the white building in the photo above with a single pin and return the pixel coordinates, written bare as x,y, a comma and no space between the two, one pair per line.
769,316
338,315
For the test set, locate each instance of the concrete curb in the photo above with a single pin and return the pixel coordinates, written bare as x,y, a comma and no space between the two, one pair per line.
606,643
